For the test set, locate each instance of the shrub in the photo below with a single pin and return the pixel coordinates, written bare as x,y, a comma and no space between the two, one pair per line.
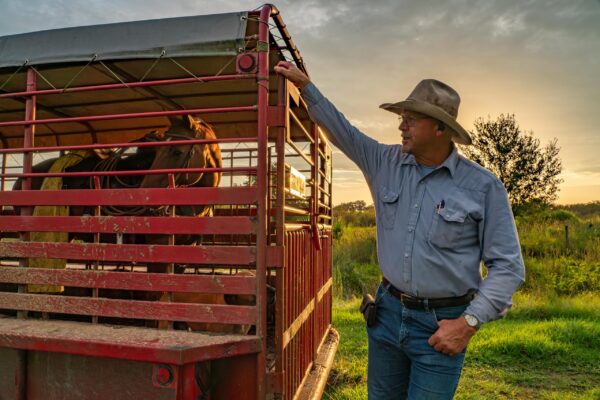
562,276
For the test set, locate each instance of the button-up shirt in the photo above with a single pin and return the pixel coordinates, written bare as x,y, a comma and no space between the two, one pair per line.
434,226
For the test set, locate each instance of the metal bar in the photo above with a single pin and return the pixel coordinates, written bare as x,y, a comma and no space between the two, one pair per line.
130,172
301,126
53,133
296,226
131,197
222,255
324,289
28,141
186,283
316,248
130,115
296,211
127,85
302,317
148,92
280,228
2,172
127,145
128,343
261,236
300,152
287,39
207,313
21,375
130,225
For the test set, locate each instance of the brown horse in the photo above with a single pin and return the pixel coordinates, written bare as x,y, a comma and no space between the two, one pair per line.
199,155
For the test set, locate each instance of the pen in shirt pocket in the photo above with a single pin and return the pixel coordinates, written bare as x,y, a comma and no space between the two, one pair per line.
440,206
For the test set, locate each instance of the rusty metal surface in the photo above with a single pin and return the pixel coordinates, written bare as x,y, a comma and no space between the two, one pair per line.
225,284
130,225
287,244
131,197
54,376
134,309
262,187
11,378
226,255
121,342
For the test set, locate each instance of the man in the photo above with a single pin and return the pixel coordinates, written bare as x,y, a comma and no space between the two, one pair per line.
438,216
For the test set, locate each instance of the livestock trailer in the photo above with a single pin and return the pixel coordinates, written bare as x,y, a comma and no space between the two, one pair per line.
240,311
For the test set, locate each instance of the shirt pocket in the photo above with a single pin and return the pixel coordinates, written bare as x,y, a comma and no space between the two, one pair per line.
388,207
448,225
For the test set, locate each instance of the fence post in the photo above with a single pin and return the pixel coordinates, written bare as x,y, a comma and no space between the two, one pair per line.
567,236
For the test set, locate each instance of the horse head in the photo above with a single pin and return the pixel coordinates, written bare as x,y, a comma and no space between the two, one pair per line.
199,155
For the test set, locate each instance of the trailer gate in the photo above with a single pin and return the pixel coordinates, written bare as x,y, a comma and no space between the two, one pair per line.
88,329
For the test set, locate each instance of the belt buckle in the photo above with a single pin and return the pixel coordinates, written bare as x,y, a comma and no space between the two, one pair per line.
404,297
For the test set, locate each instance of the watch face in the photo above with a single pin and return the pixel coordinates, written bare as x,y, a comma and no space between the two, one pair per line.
471,320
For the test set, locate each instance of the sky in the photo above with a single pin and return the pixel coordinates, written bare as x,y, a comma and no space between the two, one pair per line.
536,59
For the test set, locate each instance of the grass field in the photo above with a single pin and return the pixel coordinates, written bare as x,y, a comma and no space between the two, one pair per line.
542,350
548,347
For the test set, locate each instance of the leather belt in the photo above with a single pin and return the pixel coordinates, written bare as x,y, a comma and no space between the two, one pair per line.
420,303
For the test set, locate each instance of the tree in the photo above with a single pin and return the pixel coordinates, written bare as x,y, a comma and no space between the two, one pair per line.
358,205
529,173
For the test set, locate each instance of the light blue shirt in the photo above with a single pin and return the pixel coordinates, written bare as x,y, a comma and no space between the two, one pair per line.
433,227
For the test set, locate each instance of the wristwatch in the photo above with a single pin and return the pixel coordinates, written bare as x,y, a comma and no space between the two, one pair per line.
472,321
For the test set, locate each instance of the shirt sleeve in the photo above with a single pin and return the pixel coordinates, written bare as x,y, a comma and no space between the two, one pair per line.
501,255
360,148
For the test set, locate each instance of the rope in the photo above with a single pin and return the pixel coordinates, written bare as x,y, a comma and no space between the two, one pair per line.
114,74
13,74
38,73
162,53
79,72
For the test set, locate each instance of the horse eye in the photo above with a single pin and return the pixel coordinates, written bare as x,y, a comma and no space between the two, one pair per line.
177,152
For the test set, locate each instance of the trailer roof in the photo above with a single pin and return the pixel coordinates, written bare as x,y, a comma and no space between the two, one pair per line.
196,48
203,35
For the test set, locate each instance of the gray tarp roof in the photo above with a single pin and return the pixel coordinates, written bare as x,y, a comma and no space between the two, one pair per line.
204,35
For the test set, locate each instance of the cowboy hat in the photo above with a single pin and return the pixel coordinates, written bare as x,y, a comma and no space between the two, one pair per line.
436,100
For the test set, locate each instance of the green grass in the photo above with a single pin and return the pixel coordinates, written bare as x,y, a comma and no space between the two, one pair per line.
548,347
544,349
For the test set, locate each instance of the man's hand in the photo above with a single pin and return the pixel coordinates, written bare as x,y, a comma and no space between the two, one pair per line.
291,72
452,336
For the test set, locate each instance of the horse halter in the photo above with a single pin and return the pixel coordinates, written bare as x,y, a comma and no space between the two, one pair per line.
188,158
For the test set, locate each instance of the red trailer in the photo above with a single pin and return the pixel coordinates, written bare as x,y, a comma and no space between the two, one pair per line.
83,314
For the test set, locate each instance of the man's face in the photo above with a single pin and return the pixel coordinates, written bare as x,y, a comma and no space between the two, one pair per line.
418,132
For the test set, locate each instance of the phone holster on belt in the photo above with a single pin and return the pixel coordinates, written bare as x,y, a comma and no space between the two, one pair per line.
368,308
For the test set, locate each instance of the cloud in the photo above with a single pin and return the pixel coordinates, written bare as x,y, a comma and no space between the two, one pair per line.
538,59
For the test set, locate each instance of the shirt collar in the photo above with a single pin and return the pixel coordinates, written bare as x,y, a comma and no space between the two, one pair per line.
449,163
452,161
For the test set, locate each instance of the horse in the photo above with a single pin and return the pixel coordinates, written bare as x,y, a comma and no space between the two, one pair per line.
197,155
142,159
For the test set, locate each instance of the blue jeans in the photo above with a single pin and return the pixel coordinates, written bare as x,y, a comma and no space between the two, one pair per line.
402,365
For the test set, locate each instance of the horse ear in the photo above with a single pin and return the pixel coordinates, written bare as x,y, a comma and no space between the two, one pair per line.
194,122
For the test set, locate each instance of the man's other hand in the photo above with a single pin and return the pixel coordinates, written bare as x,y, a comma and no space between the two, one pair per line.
291,72
452,336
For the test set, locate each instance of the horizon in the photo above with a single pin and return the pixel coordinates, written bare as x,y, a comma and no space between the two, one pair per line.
538,61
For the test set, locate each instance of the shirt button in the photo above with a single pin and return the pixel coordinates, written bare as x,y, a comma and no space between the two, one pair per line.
416,206
410,229
406,255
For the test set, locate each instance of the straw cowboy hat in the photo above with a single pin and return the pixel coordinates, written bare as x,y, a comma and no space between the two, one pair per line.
436,100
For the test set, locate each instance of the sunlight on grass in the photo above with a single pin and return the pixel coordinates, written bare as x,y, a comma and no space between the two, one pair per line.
547,348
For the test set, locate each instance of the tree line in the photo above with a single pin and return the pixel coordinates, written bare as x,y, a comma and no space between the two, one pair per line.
529,171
